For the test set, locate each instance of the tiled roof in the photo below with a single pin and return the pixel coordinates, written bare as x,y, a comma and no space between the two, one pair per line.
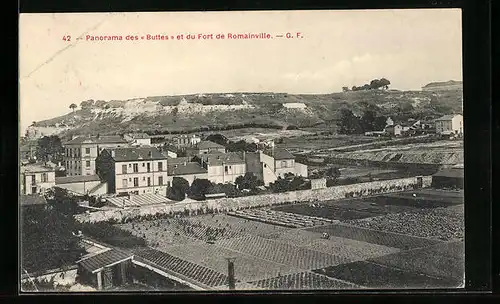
136,153
178,160
279,154
206,144
447,117
451,172
103,139
189,168
107,258
217,159
77,179
30,200
139,135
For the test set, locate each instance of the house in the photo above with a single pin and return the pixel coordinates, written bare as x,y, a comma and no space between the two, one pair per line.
450,124
206,146
272,163
36,178
223,167
394,130
32,201
186,141
83,184
133,170
80,152
185,168
138,139
449,178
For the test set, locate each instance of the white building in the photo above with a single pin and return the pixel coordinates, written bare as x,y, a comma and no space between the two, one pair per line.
139,139
450,124
36,178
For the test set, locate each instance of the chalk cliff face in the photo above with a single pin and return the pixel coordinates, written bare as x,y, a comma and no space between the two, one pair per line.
171,113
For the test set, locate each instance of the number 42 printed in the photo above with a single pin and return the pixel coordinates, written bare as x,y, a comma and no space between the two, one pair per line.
66,38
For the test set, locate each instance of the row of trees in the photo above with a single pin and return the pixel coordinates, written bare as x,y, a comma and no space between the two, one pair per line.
375,84
200,187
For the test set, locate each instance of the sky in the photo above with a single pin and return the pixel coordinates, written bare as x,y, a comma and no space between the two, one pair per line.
338,48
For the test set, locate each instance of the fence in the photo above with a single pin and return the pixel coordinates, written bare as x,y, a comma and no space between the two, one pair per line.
233,204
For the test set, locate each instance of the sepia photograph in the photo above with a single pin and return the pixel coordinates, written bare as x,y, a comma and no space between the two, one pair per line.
241,151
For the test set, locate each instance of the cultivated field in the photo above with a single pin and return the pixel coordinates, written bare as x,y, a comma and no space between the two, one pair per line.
372,243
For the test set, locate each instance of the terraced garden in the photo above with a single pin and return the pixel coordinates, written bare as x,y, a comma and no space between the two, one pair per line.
285,219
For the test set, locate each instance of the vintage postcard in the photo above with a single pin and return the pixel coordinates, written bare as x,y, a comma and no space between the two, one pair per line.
242,150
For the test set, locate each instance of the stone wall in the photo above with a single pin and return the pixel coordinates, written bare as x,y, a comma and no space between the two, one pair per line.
232,204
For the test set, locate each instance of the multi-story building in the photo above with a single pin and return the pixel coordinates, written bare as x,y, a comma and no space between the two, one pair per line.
450,124
183,141
36,178
81,152
138,139
270,164
185,168
223,167
134,170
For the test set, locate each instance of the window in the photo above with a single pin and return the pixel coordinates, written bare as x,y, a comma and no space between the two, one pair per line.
160,166
130,165
87,164
44,177
225,169
130,179
33,190
136,167
33,179
143,178
160,180
168,183
149,181
136,182
124,183
87,150
144,164
149,167
124,169
283,164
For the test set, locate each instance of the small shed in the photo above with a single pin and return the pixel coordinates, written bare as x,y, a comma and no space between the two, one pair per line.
105,269
449,178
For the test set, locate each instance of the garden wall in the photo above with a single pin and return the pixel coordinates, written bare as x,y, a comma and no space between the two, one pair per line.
232,204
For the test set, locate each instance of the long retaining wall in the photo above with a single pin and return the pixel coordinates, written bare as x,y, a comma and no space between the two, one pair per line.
233,204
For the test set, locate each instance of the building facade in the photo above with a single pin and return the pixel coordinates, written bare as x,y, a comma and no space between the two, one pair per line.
133,170
450,124
36,178
223,167
206,147
80,153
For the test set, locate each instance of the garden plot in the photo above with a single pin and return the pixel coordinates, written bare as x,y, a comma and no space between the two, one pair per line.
285,219
302,280
247,268
445,260
428,223
377,276
281,252
388,239
241,225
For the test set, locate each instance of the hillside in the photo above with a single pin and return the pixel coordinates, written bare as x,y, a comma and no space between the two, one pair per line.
226,111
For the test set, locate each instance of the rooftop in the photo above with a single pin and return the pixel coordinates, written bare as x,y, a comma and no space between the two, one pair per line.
102,139
206,144
77,179
279,154
447,117
36,168
185,169
31,200
218,159
138,135
135,153
107,258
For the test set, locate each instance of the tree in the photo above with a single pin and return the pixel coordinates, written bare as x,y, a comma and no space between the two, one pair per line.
349,123
248,181
368,120
87,104
199,188
218,138
50,148
332,173
179,188
345,89
73,107
375,84
384,83
354,88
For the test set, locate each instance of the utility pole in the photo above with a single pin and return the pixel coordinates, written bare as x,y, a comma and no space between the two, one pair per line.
230,273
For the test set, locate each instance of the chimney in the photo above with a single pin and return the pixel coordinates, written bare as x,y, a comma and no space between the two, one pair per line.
150,154
113,153
185,163
244,154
